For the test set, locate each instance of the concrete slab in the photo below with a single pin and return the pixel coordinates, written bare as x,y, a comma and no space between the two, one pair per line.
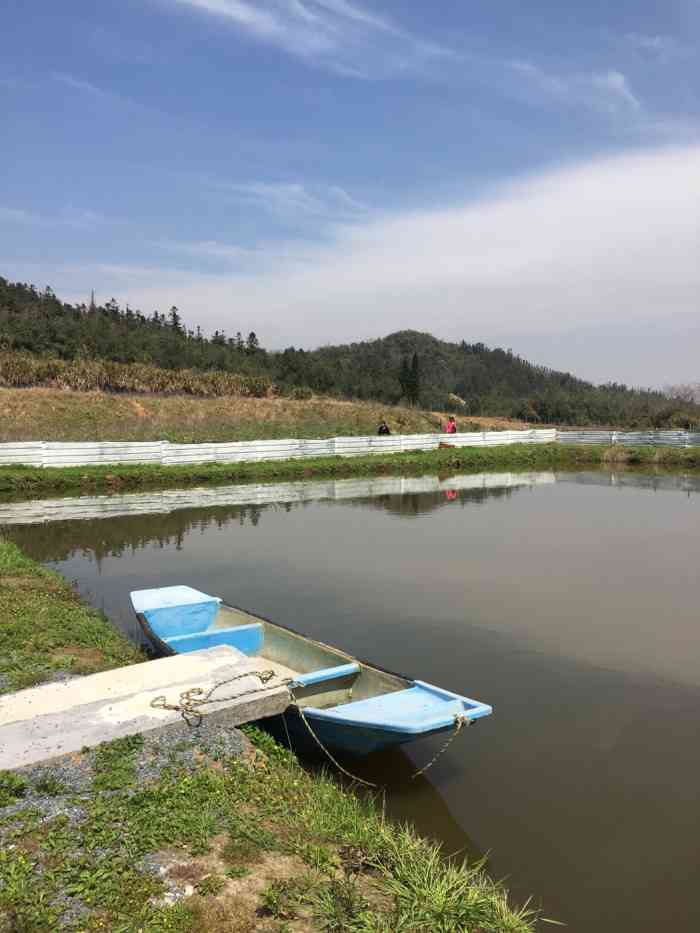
56,719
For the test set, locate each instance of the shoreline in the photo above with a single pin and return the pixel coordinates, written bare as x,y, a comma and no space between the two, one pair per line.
207,830
32,481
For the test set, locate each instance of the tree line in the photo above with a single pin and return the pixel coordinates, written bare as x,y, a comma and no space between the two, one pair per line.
404,367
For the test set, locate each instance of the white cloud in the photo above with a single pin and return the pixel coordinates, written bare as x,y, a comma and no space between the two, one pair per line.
609,247
334,34
607,91
68,216
208,249
295,201
18,216
78,84
617,86
662,48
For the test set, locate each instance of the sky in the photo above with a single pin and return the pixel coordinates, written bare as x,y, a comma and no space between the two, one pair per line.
323,171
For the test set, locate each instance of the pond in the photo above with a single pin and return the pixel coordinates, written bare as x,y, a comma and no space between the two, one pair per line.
569,602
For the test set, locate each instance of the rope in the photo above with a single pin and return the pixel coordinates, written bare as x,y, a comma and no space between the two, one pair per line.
193,699
353,777
460,722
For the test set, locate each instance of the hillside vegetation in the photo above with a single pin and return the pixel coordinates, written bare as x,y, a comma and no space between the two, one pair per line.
57,415
465,377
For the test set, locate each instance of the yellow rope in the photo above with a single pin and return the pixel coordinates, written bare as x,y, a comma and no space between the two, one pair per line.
193,699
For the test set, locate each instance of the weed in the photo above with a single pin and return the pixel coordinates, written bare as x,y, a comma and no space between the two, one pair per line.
320,858
50,785
12,786
337,906
210,885
283,899
114,762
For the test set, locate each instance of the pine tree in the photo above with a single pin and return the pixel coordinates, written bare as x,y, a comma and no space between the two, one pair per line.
405,378
414,381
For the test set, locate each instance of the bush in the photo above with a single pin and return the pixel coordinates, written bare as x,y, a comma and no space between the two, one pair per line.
21,369
301,393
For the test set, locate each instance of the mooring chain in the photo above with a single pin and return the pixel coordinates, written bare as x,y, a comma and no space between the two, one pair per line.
193,699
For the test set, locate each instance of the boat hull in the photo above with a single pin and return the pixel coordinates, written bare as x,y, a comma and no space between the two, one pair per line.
336,701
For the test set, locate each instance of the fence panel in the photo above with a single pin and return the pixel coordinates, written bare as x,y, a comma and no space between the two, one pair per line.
585,437
101,453
28,453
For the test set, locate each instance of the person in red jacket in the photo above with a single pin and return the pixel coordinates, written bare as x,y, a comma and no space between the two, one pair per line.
451,426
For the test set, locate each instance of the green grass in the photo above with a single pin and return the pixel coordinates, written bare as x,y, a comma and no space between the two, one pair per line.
91,867
24,481
45,628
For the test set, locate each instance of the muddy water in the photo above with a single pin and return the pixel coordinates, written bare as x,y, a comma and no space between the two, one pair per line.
570,603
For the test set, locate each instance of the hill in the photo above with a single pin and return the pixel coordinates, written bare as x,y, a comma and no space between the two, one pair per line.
408,366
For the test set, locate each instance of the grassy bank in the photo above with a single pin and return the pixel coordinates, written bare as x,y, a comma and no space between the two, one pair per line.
46,631
29,481
60,415
199,830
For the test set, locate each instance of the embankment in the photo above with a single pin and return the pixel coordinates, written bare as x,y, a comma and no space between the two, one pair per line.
16,481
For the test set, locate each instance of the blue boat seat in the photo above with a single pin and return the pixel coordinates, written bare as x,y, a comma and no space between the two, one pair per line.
418,709
247,638
325,674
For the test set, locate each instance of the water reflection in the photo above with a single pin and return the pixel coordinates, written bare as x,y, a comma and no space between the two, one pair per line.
568,601
55,530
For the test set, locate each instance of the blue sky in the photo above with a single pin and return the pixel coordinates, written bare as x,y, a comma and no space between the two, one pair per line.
323,170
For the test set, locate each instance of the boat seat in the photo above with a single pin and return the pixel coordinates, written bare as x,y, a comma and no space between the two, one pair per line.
420,708
325,674
247,638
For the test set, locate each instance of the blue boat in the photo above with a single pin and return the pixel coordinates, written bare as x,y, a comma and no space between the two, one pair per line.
348,705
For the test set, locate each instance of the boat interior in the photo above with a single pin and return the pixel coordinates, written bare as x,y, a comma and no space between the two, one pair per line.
323,676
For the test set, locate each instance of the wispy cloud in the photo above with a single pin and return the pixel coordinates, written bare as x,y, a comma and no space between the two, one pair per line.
615,88
18,216
606,91
79,84
205,249
661,48
68,216
297,201
98,94
334,34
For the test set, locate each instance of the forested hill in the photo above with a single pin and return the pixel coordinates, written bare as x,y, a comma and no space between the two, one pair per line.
407,366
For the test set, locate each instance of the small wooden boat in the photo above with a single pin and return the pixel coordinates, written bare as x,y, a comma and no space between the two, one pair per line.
350,705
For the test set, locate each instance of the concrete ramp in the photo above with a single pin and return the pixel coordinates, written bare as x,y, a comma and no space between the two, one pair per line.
56,719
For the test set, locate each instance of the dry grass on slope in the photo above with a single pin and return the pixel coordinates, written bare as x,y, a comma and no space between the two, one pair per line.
60,415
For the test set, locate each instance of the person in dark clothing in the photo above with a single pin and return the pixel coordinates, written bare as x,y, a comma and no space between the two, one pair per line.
383,428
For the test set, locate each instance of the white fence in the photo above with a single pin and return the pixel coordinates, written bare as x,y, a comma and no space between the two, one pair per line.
39,454
631,438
